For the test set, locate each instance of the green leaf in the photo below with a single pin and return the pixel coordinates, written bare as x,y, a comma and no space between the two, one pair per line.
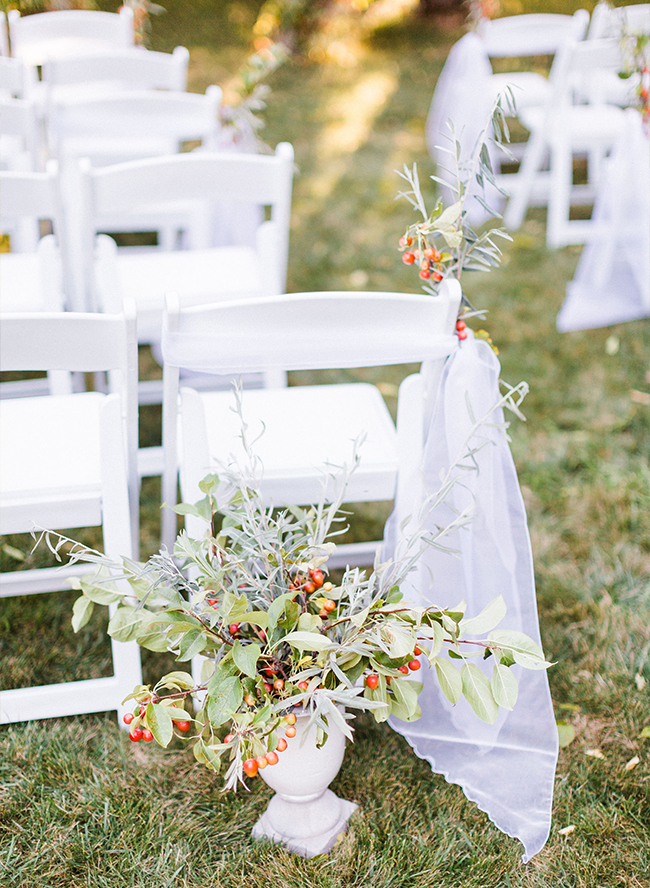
645,732
309,622
523,649
451,684
159,722
400,639
97,593
478,692
179,681
245,657
276,608
257,618
490,616
193,642
309,641
566,733
152,641
81,612
224,700
126,623
406,694
504,686
436,641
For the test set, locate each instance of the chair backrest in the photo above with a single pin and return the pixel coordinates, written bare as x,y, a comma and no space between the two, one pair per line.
136,114
573,68
197,176
132,67
302,331
608,21
533,34
36,38
86,343
13,76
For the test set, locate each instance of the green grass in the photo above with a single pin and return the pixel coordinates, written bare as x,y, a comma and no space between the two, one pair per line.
81,806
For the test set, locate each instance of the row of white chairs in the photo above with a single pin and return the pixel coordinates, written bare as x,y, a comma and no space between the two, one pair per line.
68,461
576,111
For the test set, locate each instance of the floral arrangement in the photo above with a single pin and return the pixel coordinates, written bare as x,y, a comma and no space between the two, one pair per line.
634,50
443,244
279,635
481,9
142,12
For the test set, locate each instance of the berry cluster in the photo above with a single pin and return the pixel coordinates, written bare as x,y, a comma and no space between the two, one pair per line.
430,260
137,732
253,765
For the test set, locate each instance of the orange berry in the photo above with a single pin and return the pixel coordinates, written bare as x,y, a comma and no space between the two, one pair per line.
303,685
329,606
414,665
183,726
261,761
228,738
272,758
404,669
327,587
249,700
278,684
408,258
322,612
282,744
417,650
250,767
316,578
436,276
309,588
290,732
425,274
372,680
290,718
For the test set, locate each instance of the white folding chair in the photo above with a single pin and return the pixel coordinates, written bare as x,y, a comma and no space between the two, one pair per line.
612,22
201,273
111,128
307,430
519,36
68,462
563,129
120,69
37,38
4,36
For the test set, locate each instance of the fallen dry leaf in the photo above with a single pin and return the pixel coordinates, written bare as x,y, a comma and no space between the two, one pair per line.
594,753
567,830
639,681
633,762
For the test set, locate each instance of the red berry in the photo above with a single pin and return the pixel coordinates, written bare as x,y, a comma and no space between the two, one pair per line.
408,258
417,650
136,734
228,738
290,732
322,612
432,254
249,700
436,276
282,744
303,685
405,241
425,274
262,634
404,669
233,628
147,736
460,324
272,758
309,588
462,334
183,726
317,578
250,767
329,606
278,684
128,718
372,680
414,665
268,687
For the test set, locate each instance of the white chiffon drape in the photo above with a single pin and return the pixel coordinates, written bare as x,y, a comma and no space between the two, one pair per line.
507,768
612,280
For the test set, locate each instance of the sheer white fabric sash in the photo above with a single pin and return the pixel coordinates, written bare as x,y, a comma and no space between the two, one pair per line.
507,768
612,280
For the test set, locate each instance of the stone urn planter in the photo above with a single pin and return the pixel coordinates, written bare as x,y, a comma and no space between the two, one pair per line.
304,814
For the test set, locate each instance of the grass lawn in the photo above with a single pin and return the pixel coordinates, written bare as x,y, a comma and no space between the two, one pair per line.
82,806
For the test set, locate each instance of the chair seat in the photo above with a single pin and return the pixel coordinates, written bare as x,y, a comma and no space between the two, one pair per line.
584,125
300,439
196,275
45,471
529,89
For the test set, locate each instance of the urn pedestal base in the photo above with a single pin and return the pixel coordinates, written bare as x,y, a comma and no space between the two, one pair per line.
305,827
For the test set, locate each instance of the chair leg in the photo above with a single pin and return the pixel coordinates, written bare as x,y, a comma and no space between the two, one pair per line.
524,181
559,199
